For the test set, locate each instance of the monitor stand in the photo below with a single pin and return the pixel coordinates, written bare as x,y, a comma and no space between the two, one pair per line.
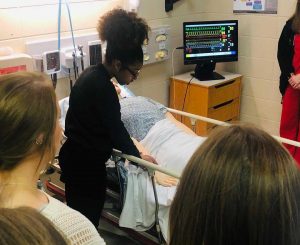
205,71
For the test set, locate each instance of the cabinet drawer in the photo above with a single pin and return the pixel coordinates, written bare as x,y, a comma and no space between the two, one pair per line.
212,126
223,92
225,112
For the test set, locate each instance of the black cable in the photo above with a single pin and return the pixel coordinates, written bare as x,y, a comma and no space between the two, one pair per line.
81,58
70,79
54,79
75,66
187,87
157,226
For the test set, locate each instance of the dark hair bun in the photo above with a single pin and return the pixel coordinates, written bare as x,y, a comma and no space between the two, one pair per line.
122,29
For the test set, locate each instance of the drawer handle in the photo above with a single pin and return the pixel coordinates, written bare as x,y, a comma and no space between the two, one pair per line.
225,103
224,84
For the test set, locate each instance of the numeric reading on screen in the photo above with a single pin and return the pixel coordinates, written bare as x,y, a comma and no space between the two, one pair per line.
204,40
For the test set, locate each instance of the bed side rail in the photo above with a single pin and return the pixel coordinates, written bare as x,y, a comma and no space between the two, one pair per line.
220,123
150,166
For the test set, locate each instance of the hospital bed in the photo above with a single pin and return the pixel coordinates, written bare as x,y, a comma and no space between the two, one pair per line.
146,170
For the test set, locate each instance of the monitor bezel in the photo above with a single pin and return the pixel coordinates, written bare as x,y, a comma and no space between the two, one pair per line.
210,59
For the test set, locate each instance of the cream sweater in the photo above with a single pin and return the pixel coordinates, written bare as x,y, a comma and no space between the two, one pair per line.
75,227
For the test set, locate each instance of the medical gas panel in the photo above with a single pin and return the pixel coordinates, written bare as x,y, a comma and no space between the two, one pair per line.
158,47
89,50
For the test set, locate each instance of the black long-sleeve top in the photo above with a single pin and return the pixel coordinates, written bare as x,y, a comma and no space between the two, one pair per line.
285,54
93,120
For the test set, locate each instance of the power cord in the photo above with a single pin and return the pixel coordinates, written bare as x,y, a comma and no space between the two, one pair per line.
70,79
187,87
75,67
54,79
74,54
80,47
173,73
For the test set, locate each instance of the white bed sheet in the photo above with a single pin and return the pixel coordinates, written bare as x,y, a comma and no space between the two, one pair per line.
172,148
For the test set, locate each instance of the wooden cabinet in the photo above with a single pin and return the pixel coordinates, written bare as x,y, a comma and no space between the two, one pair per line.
217,99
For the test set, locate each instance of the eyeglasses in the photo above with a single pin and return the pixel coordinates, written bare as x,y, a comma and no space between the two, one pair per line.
135,74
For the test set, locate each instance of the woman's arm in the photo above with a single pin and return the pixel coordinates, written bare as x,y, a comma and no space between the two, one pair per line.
161,178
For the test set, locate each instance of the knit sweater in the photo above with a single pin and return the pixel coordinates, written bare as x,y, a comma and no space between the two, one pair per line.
76,228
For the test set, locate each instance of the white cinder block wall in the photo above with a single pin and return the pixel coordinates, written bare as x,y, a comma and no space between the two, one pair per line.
154,79
23,20
26,20
258,38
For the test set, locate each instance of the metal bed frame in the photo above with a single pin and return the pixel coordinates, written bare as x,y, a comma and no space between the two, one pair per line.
145,237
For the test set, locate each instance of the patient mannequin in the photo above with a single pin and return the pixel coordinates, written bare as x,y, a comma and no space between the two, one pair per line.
139,115
161,178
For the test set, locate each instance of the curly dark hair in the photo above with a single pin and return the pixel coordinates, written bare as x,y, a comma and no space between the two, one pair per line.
124,33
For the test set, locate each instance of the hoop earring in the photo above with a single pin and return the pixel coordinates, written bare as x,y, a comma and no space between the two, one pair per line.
37,142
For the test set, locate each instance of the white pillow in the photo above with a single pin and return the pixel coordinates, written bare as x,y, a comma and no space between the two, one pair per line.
170,145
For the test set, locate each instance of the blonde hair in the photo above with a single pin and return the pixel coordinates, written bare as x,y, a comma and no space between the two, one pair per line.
240,187
25,226
28,109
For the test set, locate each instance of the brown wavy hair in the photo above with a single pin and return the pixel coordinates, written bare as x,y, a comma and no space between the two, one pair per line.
124,33
28,109
296,19
240,187
26,226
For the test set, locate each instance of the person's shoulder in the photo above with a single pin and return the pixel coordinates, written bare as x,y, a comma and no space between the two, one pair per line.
89,74
288,23
290,20
72,223
287,31
94,74
57,208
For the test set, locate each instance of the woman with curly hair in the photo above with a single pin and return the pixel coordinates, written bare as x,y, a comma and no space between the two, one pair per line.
93,122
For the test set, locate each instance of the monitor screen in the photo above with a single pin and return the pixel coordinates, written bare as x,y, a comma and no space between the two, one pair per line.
210,41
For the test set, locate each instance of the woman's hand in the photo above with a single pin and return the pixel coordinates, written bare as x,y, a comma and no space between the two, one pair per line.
117,88
294,81
165,180
148,158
